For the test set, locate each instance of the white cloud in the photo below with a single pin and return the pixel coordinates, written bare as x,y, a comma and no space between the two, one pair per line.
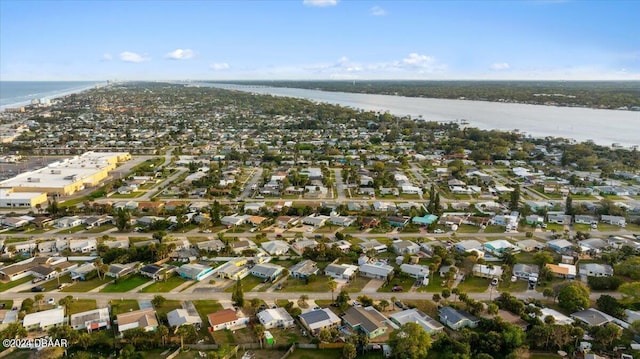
500,66
180,54
107,57
320,3
128,56
417,60
219,66
377,11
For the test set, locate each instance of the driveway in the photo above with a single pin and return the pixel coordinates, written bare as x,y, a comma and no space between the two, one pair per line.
373,286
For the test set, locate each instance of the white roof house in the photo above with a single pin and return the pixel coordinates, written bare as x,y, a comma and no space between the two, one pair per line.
276,247
378,270
415,316
83,245
485,271
275,318
91,320
178,317
45,319
416,271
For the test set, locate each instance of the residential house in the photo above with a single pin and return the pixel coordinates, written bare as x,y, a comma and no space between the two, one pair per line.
457,319
529,245
558,317
585,219
614,220
144,319
44,320
467,245
226,319
300,245
194,271
562,270
487,271
234,269
419,272
315,220
430,325
402,247
242,245
425,220
304,269
214,245
68,222
181,316
234,220
595,270
83,245
117,243
97,221
341,271
91,320
560,245
369,222
275,318
526,271
342,245
395,221
366,320
275,248
377,270
534,220
499,246
316,320
81,272
372,245
593,317
342,221
286,221
120,270
559,218
267,271
593,246
152,271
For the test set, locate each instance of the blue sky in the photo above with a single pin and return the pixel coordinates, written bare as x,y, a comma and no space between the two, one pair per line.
319,39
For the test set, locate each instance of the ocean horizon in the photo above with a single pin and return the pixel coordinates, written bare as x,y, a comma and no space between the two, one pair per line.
20,93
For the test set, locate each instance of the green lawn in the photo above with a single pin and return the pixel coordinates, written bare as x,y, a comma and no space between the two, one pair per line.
473,284
15,283
125,284
494,229
467,228
316,354
163,286
435,285
82,305
248,283
426,306
100,229
320,284
357,284
8,304
133,194
525,257
405,282
87,285
513,287
168,306
53,284
75,229
123,306
206,307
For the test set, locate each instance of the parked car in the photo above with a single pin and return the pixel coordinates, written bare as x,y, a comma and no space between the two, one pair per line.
399,304
37,289
438,231
494,282
397,288
51,301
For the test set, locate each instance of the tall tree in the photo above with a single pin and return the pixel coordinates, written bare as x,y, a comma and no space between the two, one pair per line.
514,199
410,341
574,297
238,295
568,206
123,219
332,287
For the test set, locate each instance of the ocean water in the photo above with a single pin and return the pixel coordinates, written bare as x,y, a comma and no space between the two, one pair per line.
604,127
17,93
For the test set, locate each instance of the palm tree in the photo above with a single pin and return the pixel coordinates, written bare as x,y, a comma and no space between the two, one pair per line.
258,330
332,287
303,299
66,302
162,331
384,304
38,298
393,302
98,264
58,271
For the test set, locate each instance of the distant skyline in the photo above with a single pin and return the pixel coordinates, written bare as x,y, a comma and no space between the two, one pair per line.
319,39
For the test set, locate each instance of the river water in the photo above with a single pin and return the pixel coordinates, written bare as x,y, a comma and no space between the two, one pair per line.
603,127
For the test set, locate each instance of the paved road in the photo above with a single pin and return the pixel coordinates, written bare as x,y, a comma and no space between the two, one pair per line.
248,187
339,183
272,296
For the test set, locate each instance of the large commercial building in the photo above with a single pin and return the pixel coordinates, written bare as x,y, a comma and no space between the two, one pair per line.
63,177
